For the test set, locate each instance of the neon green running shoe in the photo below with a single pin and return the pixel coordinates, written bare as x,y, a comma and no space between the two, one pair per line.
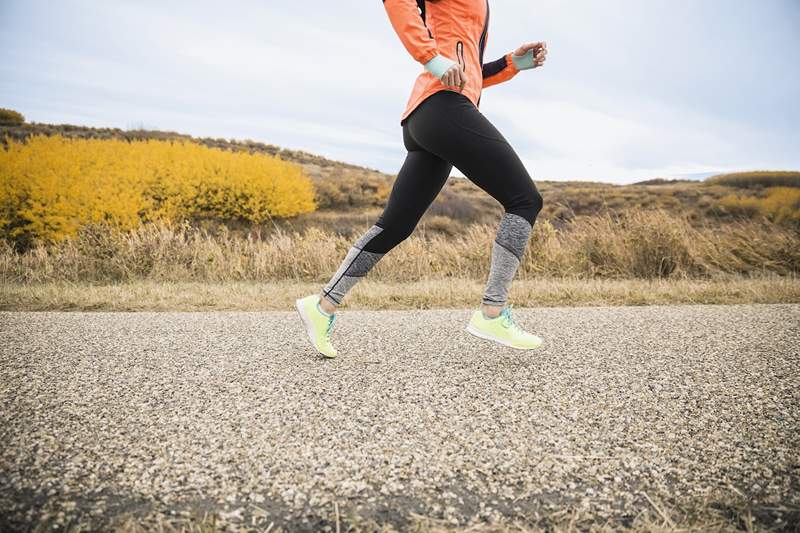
502,329
319,325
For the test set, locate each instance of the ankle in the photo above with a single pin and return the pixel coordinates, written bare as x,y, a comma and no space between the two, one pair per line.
491,311
326,305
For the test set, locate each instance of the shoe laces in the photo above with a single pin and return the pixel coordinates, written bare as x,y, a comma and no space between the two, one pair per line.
508,320
329,330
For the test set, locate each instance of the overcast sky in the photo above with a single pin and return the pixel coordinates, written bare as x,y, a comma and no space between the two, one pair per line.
632,89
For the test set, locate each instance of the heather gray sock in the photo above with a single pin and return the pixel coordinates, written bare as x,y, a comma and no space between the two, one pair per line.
355,266
507,249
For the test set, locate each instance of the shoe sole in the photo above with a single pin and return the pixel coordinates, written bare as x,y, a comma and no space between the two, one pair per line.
482,335
309,329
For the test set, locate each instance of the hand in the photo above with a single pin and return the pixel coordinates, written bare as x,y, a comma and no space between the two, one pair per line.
455,77
539,52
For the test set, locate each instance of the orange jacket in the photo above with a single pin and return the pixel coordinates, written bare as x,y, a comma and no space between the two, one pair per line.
455,29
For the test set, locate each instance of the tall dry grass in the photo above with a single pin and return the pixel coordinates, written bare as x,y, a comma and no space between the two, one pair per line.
643,245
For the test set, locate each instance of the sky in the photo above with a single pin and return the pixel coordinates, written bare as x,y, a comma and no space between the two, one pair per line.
631,89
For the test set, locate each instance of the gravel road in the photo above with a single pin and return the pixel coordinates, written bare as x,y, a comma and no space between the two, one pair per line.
679,413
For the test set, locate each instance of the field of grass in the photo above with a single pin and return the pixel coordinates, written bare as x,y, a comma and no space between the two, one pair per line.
732,238
642,258
639,245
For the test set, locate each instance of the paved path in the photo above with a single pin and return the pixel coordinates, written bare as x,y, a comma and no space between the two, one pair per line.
664,412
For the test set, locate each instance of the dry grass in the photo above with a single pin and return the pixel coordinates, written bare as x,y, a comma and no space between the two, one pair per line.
640,245
370,294
640,258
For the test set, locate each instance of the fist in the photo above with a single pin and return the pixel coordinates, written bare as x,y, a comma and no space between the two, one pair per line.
455,77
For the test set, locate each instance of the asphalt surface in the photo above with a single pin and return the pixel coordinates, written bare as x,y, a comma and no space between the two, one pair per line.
106,417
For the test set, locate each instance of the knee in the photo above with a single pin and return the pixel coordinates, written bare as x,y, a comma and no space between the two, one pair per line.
538,203
528,207
388,238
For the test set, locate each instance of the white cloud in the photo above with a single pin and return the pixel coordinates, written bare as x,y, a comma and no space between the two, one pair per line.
631,89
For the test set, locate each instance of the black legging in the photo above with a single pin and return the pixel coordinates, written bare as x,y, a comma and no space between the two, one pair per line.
447,130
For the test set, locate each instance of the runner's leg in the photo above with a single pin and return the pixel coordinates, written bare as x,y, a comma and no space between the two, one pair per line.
451,127
418,183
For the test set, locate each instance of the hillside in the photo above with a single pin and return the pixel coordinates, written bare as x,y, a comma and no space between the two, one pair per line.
249,229
349,196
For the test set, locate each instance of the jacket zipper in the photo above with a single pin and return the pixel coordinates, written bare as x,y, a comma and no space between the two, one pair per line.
482,42
482,45
460,55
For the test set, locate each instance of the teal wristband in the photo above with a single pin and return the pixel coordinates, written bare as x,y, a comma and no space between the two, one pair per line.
523,62
439,65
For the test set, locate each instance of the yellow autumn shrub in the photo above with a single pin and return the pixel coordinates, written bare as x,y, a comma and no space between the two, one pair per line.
51,186
779,204
782,204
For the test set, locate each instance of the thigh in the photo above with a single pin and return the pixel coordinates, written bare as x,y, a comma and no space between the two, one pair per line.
418,183
455,130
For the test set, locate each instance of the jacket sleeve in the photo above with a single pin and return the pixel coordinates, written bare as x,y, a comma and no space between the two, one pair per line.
500,70
415,35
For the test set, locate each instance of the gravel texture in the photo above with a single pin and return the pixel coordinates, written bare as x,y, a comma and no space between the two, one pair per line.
625,409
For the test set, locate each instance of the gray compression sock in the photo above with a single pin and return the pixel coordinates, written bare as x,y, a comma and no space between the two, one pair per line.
507,249
355,266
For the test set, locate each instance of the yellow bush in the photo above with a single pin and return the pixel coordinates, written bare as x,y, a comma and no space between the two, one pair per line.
748,206
781,204
51,186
